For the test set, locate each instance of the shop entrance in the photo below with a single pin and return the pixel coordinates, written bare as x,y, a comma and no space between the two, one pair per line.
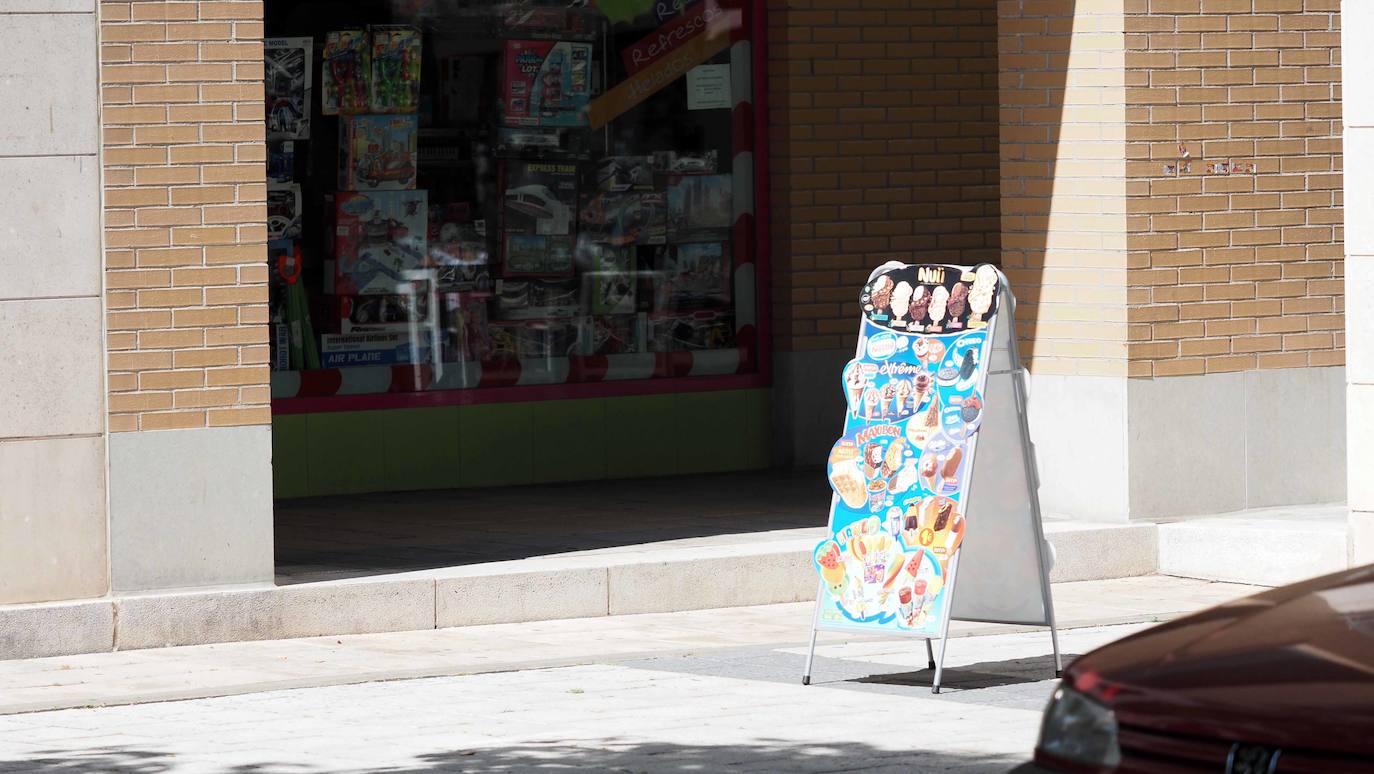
515,279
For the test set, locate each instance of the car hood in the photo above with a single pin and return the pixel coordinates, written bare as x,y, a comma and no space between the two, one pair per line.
1292,666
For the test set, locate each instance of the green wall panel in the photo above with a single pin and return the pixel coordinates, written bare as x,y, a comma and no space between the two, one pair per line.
501,444
289,456
568,440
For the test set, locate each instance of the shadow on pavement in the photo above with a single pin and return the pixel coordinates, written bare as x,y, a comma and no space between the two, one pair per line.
589,755
988,674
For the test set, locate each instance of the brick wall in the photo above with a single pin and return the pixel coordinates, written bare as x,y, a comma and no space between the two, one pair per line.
185,213
1240,271
883,131
1063,181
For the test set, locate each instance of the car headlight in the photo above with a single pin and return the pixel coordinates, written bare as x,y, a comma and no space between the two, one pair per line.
1077,729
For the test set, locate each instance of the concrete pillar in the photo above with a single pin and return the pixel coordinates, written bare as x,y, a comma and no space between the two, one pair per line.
1357,44
52,384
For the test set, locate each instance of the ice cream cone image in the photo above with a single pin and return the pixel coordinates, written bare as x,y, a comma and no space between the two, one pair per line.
920,387
930,468
854,384
871,399
888,400
903,389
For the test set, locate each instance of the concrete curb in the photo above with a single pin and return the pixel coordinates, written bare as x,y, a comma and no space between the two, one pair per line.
753,569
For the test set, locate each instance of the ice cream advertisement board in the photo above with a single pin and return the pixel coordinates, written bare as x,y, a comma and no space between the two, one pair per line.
900,470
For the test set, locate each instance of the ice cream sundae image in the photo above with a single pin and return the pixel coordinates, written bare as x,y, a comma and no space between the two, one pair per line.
958,304
939,299
980,297
854,384
901,302
881,295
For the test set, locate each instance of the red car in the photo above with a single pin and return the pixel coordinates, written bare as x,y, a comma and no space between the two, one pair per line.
1282,681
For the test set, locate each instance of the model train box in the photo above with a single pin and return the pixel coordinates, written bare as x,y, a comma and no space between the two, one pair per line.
283,211
377,153
547,83
540,198
341,350
700,207
286,77
379,240
344,73
395,82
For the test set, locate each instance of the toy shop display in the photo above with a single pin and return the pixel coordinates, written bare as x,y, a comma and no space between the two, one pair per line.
699,207
377,152
465,336
538,299
344,73
535,255
281,161
692,276
625,218
395,83
547,83
403,311
380,238
611,284
458,248
283,211
611,335
625,173
687,331
341,350
539,198
286,82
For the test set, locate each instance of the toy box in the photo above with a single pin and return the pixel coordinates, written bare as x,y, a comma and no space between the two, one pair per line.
547,339
390,312
686,163
610,286
675,332
377,153
503,341
379,240
611,335
537,299
625,173
286,77
395,82
458,248
700,207
535,255
281,161
627,218
692,276
283,211
465,336
546,83
540,198
344,72
340,350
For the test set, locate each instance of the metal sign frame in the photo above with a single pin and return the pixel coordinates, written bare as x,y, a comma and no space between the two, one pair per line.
1001,525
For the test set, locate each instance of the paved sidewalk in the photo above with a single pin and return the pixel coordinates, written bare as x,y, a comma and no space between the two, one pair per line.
728,709
237,668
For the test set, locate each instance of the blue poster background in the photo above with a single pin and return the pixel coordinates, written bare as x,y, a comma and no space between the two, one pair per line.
900,469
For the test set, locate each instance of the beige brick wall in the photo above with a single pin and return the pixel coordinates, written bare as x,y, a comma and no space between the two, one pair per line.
185,213
1234,272
883,133
1063,181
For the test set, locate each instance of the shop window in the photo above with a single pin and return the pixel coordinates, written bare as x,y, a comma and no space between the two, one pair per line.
470,200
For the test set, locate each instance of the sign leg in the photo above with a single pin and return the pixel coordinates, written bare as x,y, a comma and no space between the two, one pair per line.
930,655
811,653
940,664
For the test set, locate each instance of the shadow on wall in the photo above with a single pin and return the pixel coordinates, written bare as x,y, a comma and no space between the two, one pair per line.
592,755
1035,38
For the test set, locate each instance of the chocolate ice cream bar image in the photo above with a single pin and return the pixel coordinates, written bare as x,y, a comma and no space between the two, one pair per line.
920,305
958,304
881,295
